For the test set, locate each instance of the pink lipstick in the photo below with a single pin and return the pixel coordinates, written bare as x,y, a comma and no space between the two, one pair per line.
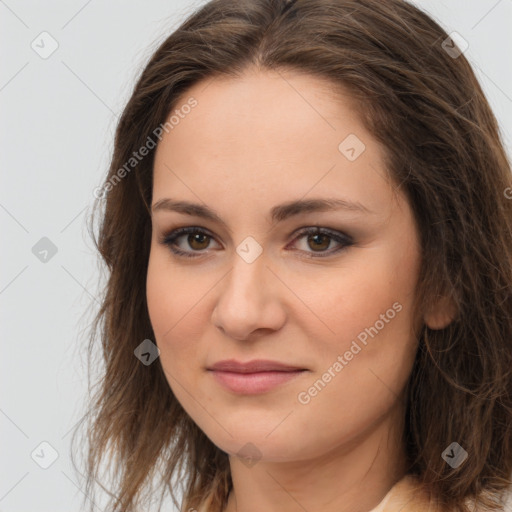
253,377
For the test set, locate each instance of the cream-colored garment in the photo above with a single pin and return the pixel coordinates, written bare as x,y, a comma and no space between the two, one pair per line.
404,496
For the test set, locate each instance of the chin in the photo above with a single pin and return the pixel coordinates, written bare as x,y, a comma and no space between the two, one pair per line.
257,442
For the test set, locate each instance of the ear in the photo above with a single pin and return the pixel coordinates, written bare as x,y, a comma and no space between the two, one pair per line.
441,314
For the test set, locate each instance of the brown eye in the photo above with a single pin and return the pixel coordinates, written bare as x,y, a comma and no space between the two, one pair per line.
319,241
198,241
189,241
192,242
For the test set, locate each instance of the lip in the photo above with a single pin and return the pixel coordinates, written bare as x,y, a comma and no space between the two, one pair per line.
256,365
253,377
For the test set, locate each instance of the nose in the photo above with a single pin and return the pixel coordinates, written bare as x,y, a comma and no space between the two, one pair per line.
250,300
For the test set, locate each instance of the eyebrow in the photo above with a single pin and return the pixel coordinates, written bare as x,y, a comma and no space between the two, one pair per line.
278,213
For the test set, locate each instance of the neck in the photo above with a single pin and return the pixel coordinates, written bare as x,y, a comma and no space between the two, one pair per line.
352,477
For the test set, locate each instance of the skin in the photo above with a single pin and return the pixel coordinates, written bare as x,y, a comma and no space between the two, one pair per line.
251,143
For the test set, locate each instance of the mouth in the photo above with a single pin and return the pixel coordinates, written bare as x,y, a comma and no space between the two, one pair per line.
253,377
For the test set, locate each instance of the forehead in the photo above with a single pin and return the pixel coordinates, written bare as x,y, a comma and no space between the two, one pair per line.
275,102
269,134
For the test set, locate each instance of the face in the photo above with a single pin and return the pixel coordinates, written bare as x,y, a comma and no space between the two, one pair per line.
325,290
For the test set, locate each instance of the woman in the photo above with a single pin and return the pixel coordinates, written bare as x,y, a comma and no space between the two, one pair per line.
307,225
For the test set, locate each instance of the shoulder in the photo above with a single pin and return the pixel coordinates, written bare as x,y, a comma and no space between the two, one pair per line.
407,495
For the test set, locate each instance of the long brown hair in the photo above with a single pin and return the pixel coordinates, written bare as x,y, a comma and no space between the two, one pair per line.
444,151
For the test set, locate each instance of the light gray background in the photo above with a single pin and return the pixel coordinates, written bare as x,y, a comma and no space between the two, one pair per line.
58,118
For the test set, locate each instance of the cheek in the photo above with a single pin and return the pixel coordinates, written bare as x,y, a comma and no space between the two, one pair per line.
170,300
177,306
177,310
379,283
369,312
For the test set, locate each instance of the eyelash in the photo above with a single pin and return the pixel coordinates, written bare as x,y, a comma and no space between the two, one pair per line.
170,238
